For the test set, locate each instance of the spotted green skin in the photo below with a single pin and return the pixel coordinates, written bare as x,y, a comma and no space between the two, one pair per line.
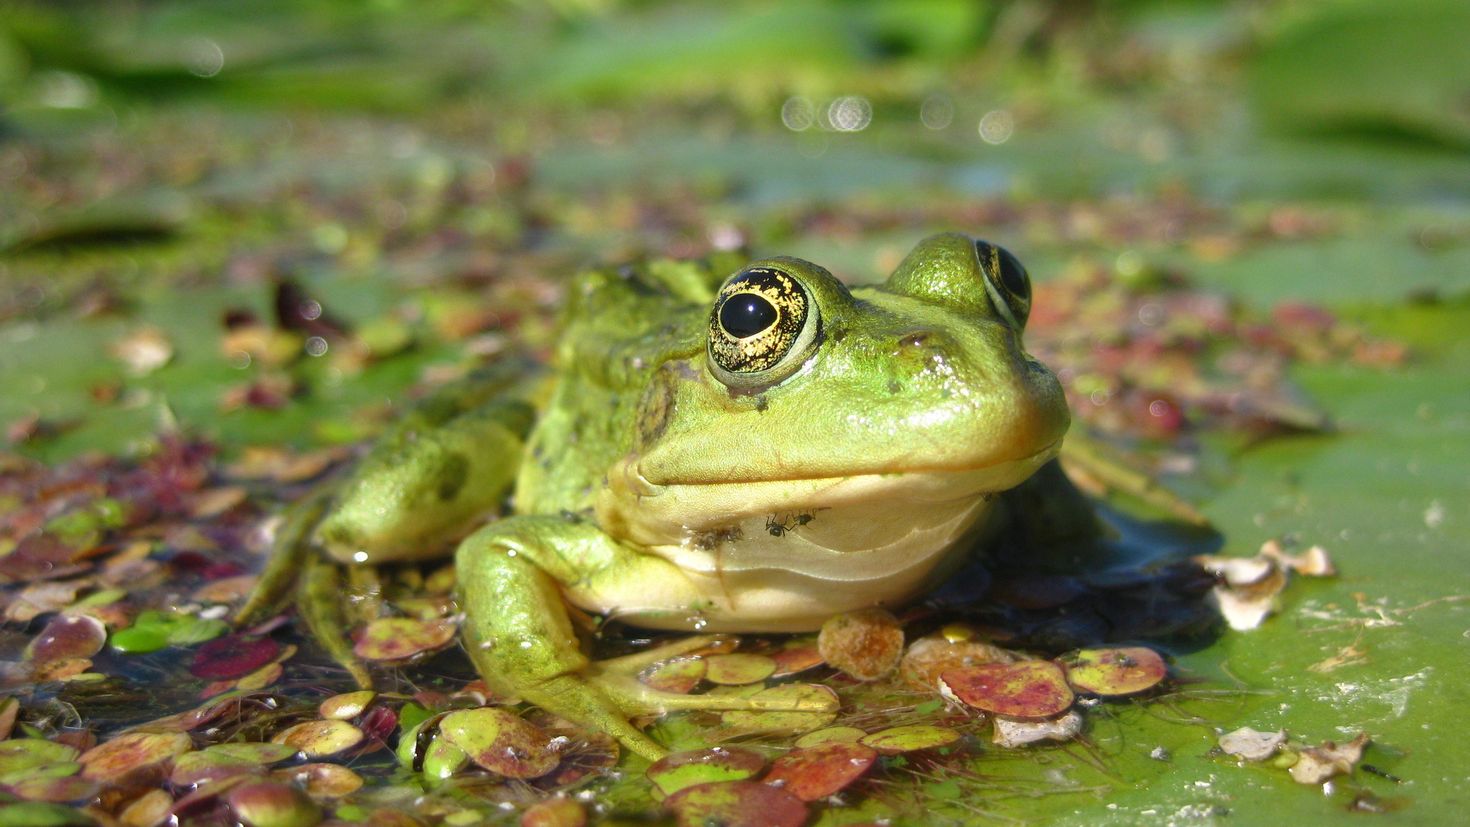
648,489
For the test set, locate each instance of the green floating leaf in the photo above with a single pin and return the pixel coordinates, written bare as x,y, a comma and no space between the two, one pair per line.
895,740
738,669
500,742
1115,672
680,770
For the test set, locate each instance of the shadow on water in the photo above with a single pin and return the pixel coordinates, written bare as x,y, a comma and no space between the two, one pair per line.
1137,584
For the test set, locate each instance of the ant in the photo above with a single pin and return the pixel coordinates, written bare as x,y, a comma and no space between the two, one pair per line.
787,523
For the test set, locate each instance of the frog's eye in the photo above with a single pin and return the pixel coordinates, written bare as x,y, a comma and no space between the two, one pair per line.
1007,281
762,324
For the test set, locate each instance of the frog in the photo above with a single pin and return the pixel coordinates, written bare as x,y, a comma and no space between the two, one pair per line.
718,447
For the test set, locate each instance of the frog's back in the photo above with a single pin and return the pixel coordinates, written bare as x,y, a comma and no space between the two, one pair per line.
621,326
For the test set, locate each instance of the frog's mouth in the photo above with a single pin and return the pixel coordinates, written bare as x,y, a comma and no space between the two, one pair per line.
654,511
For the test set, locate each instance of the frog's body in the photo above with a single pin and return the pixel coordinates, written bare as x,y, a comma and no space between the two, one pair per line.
752,453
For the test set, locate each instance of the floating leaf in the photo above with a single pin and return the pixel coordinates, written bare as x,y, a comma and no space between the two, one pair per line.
19,755
1010,732
865,644
794,659
443,759
346,706
932,655
736,804
147,810
317,739
678,675
1025,689
500,742
131,751
813,773
57,790
140,640
795,707
1252,745
68,637
680,770
831,735
560,811
38,814
911,738
738,669
322,780
273,804
1115,672
204,766
401,638
233,657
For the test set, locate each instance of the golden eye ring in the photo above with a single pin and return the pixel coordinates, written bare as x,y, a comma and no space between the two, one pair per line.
762,323
1007,282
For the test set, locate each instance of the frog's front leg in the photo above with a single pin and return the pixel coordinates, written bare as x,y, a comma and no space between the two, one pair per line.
511,580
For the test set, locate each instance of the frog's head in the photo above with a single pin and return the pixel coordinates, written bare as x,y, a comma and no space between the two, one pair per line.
918,386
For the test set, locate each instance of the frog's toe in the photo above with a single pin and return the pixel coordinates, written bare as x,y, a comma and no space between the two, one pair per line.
634,663
635,698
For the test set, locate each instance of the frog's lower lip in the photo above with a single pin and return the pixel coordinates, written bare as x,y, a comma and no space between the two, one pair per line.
992,476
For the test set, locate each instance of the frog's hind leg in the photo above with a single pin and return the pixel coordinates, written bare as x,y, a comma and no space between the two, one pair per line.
438,471
519,634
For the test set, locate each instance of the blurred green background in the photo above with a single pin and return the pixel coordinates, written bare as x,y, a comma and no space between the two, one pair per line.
162,162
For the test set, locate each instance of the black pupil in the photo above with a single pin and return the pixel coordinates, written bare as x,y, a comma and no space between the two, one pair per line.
746,314
1013,275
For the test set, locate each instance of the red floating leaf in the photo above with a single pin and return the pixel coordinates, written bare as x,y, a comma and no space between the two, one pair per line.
67,637
816,772
736,804
233,656
1025,689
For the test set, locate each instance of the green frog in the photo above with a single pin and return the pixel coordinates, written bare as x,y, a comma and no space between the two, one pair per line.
715,452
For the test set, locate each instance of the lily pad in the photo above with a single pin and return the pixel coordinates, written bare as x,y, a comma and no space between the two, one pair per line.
813,773
273,804
681,770
233,657
1024,689
19,755
500,742
795,659
679,675
866,645
132,751
738,669
347,705
68,637
831,735
392,639
1115,672
317,739
322,780
911,738
736,804
554,812
443,759
932,655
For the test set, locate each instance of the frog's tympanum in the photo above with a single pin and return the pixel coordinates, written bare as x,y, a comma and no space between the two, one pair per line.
752,451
